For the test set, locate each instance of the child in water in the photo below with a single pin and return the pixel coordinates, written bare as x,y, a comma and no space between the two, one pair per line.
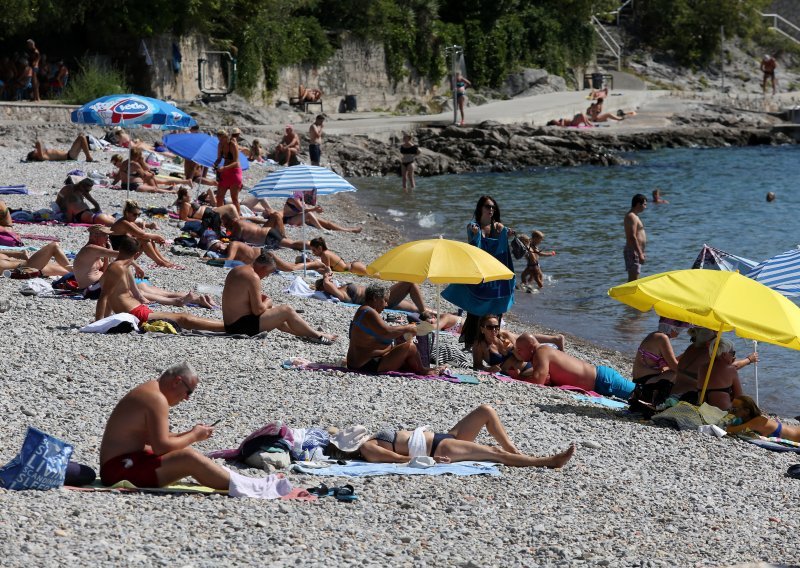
533,272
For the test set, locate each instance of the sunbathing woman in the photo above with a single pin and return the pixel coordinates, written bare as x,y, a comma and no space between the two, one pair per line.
237,250
188,209
354,294
334,261
255,153
126,226
751,418
493,351
457,445
40,260
141,178
655,360
293,215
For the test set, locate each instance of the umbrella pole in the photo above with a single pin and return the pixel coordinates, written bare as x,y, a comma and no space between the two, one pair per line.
710,365
438,324
128,187
303,203
755,348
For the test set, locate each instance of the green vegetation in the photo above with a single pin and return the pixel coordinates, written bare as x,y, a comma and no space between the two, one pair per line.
93,81
498,36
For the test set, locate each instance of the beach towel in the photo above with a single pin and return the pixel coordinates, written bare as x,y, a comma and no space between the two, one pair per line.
772,444
367,469
447,375
297,493
685,416
13,190
105,325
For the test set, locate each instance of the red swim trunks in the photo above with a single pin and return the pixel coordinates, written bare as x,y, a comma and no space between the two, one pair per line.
141,312
137,467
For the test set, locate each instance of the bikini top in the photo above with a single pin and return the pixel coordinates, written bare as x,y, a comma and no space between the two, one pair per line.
386,435
655,361
357,323
290,204
409,149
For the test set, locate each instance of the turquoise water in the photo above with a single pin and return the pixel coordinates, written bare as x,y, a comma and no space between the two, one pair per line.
717,196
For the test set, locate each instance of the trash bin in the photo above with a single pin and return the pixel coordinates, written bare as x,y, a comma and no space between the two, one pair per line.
351,103
597,80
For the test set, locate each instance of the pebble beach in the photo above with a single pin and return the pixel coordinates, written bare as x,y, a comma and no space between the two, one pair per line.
633,495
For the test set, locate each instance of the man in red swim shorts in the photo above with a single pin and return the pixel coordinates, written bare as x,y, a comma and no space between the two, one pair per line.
138,446
120,294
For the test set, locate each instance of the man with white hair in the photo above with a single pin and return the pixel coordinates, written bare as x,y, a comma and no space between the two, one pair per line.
138,446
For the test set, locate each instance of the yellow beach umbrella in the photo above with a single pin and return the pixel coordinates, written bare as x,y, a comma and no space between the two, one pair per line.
718,300
440,261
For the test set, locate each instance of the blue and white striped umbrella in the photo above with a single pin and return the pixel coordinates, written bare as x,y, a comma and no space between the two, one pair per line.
132,111
781,273
288,181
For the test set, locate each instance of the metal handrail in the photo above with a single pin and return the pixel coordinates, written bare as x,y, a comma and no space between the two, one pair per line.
608,40
618,11
778,18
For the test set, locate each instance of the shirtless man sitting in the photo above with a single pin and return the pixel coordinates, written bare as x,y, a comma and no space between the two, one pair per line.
372,348
120,294
138,446
260,235
245,309
553,367
40,260
288,147
93,259
42,154
72,201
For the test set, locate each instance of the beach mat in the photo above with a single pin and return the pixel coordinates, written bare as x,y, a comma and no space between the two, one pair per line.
13,190
367,469
296,494
773,444
577,392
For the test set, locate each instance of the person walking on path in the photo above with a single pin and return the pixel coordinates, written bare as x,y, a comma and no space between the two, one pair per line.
768,65
635,237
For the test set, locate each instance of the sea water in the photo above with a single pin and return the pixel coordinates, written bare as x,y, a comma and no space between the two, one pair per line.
716,196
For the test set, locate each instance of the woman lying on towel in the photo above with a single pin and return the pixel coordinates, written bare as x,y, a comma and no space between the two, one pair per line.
493,351
354,294
750,418
141,177
456,445
188,209
127,226
334,261
293,215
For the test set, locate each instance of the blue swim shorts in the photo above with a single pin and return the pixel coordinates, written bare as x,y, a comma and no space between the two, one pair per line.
609,382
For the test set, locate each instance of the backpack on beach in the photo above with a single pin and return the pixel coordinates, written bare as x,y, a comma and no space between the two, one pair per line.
40,464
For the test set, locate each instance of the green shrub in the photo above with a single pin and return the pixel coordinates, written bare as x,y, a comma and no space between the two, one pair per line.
93,80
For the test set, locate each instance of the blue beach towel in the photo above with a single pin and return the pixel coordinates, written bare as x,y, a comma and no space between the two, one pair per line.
367,469
13,190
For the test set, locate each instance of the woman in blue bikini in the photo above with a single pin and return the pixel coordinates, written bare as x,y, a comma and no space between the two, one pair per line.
747,411
458,444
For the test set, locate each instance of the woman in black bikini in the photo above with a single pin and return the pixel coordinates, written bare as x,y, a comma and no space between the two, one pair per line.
493,351
408,159
458,444
293,215
333,261
723,384
188,209
355,294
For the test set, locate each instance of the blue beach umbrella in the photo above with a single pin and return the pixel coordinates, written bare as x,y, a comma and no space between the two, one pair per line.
286,182
132,111
198,147
781,273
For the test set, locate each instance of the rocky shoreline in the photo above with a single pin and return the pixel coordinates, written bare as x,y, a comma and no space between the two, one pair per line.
501,148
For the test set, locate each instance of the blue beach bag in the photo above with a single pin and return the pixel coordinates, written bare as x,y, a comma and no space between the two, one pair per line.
41,464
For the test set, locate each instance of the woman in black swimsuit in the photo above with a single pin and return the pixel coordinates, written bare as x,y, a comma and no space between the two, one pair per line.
458,444
293,215
408,159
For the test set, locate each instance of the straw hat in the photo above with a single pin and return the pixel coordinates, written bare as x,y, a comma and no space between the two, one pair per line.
351,438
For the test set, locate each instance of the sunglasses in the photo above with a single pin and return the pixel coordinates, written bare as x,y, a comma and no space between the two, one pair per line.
189,390
492,327
488,206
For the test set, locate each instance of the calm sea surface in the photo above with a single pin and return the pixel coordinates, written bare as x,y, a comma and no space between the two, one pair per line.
717,196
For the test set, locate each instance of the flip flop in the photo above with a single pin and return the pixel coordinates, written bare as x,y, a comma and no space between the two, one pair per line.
793,471
321,490
346,493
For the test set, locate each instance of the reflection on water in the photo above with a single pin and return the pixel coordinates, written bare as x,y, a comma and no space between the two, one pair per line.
717,196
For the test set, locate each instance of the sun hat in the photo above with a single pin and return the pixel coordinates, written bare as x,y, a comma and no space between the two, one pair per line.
235,131
351,438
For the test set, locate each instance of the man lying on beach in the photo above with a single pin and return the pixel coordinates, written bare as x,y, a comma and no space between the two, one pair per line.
42,154
246,310
120,294
260,235
72,201
553,367
138,446
40,260
372,348
93,259
579,119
